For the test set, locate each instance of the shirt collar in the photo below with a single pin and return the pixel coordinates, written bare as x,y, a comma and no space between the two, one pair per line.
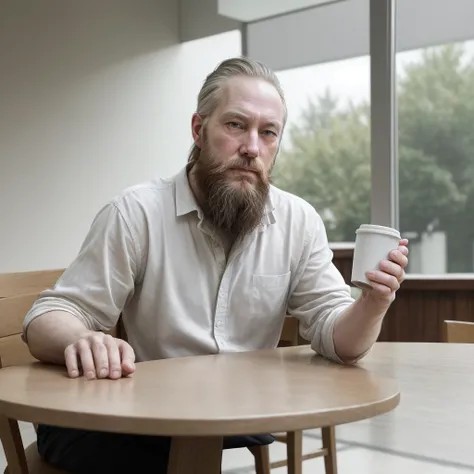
186,202
268,217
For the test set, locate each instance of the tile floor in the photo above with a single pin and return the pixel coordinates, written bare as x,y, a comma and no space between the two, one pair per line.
367,455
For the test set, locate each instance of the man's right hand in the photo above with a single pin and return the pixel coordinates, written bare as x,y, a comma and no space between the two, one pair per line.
100,356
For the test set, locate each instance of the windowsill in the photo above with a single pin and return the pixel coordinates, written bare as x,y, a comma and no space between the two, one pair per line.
416,281
444,282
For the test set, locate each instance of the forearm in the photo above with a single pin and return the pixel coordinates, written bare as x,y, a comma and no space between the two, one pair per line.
48,335
358,328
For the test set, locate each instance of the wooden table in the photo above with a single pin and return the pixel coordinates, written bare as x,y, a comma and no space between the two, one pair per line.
198,400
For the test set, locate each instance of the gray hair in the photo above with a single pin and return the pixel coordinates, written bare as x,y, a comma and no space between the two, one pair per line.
208,98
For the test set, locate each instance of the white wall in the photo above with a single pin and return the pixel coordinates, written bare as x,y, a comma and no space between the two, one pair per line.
250,10
95,96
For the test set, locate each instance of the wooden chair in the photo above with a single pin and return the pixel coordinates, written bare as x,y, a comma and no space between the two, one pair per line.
459,332
18,291
13,351
294,439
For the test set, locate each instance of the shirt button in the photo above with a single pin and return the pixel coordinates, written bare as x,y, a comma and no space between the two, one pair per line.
218,324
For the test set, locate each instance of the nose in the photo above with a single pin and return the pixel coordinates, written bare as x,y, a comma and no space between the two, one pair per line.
250,146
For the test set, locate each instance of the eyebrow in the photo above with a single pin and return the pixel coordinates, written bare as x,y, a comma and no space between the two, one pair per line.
242,116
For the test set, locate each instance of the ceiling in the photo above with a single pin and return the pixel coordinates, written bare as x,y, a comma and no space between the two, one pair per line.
250,10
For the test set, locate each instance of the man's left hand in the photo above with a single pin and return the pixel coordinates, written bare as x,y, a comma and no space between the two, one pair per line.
387,280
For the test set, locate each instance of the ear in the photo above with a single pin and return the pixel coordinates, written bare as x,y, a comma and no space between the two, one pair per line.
196,128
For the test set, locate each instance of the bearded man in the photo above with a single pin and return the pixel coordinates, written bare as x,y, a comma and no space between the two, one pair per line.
207,262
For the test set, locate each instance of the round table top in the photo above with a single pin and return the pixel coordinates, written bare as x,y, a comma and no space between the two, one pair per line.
264,391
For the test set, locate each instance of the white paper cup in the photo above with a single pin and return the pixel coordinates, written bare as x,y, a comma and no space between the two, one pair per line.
373,244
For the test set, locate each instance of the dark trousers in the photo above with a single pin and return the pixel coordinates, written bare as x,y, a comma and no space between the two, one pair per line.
93,452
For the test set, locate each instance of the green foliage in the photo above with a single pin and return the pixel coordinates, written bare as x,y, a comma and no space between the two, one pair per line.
327,161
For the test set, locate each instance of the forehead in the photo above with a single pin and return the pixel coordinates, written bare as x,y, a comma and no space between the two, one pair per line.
251,96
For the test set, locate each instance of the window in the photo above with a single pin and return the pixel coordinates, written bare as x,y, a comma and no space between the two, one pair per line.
325,155
436,156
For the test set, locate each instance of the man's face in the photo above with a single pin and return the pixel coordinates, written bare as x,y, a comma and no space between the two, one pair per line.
239,144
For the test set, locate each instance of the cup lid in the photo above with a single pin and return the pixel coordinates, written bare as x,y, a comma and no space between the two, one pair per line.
378,229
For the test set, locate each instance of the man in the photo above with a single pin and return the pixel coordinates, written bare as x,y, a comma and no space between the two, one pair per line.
209,261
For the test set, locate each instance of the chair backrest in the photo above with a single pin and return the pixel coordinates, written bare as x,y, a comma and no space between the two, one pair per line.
14,304
23,283
290,332
18,291
13,351
459,331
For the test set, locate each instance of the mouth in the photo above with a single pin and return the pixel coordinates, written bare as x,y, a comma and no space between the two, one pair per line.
245,171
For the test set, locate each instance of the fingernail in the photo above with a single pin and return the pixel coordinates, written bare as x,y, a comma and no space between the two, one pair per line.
90,375
115,373
103,372
74,373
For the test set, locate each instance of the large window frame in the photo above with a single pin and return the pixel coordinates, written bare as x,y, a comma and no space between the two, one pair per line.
384,138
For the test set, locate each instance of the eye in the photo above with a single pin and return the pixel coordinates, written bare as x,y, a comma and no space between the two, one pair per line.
235,125
270,133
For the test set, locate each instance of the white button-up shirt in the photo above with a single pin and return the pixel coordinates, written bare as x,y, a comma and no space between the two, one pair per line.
151,257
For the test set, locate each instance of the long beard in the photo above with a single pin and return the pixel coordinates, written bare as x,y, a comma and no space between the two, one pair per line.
235,210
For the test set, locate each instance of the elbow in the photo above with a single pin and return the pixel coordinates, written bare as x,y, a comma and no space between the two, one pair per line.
333,355
32,341
351,358
348,359
328,342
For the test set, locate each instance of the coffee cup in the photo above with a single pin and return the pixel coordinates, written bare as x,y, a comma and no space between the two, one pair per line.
373,244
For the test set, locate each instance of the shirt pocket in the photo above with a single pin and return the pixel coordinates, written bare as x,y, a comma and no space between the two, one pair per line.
269,294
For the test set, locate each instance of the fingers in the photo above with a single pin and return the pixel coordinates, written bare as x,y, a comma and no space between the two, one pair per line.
86,358
383,282
99,356
115,370
386,281
101,359
399,256
128,358
70,356
390,275
393,269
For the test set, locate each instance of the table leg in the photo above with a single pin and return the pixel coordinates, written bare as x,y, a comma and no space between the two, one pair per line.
13,446
294,449
195,455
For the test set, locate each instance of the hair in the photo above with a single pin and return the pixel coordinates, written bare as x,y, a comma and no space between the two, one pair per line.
209,95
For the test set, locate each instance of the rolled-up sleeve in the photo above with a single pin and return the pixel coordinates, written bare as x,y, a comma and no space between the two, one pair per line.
100,280
320,294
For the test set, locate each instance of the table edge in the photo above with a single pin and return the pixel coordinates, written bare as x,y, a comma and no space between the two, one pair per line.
217,427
